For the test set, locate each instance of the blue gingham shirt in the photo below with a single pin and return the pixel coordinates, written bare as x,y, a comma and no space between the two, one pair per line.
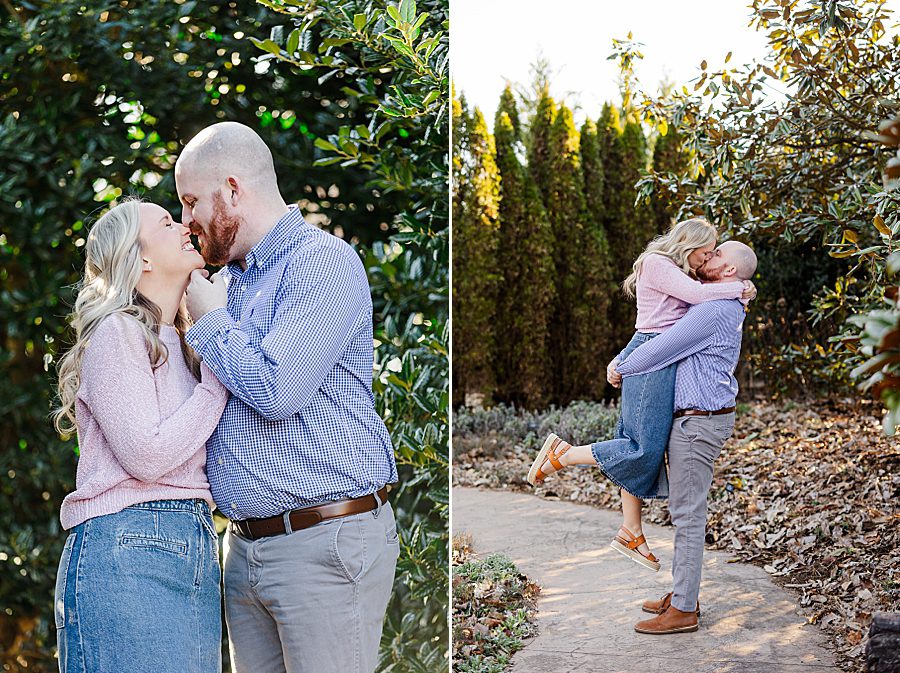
294,346
706,344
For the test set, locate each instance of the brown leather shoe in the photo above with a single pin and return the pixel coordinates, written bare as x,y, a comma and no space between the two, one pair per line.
660,606
672,620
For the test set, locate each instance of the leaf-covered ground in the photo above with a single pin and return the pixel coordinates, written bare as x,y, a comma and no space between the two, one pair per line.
808,490
494,609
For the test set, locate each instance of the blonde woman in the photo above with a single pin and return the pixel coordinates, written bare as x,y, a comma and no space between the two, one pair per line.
634,459
138,583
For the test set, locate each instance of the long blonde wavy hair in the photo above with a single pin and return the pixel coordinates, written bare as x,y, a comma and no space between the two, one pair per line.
676,244
112,269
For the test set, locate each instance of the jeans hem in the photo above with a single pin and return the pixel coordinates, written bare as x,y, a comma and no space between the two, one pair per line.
609,476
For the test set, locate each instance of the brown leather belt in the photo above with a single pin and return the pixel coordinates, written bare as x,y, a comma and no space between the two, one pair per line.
298,519
698,412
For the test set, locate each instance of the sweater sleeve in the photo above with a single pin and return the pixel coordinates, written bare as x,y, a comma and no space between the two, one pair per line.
118,385
663,275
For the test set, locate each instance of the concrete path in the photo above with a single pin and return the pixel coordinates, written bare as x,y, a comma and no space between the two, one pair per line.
591,596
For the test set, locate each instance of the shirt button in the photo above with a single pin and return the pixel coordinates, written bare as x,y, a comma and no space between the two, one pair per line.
233,507
259,293
195,342
221,462
237,323
243,287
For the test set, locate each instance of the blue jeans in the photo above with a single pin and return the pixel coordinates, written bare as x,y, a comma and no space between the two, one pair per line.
635,458
138,591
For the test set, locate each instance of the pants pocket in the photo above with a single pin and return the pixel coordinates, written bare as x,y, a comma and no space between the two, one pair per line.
348,548
387,519
62,575
688,428
723,432
391,535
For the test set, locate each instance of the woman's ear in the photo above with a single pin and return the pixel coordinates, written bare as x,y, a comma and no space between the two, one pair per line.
147,265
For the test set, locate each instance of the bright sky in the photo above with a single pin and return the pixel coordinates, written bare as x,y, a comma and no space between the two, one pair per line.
496,40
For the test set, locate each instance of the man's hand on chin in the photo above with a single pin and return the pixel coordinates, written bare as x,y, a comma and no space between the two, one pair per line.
203,296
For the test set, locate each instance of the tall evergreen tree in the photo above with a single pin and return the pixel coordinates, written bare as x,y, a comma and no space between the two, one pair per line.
610,148
460,128
616,217
628,228
523,359
529,96
594,171
571,329
460,125
508,105
599,288
475,274
637,225
539,142
668,157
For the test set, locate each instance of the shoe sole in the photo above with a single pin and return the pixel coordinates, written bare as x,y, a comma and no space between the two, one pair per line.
680,629
540,459
659,612
635,556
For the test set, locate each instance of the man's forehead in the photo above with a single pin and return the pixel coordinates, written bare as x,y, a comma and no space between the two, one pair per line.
185,165
185,180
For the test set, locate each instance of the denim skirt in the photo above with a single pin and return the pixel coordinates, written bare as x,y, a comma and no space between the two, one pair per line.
139,591
635,458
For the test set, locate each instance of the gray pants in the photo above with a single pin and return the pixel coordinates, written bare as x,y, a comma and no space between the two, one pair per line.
312,601
694,444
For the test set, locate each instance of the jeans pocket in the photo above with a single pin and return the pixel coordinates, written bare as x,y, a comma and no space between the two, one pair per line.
62,577
348,548
154,542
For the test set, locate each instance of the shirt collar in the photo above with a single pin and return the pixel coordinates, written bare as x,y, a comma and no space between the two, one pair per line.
275,240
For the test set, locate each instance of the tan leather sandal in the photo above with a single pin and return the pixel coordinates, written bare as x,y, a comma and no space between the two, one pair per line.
553,449
629,547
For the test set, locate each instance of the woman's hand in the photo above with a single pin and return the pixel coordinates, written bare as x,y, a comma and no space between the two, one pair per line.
613,376
749,293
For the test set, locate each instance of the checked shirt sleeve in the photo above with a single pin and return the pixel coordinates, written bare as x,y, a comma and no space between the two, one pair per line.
691,334
323,303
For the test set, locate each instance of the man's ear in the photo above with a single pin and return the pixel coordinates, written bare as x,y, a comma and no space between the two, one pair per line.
234,187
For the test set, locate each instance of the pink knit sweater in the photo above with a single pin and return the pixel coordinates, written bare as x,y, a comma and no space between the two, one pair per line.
141,432
665,292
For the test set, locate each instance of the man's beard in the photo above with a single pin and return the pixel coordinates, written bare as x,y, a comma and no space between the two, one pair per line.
220,233
709,275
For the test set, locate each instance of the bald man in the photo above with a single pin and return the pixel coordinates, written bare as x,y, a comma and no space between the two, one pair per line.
300,460
706,344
